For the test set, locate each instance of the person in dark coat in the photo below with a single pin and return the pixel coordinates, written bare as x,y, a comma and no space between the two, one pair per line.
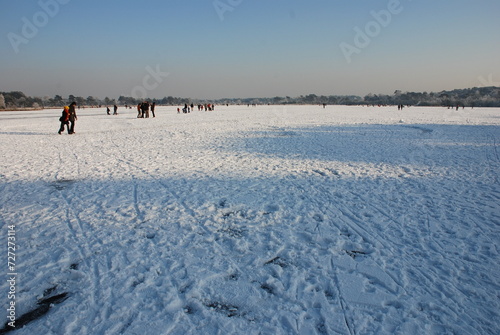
145,109
72,117
64,120
153,105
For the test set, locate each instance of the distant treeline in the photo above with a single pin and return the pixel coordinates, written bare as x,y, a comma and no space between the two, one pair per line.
476,97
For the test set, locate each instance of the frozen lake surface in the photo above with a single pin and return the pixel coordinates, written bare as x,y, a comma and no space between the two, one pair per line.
254,220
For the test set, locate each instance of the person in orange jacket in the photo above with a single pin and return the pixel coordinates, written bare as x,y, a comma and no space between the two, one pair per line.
64,120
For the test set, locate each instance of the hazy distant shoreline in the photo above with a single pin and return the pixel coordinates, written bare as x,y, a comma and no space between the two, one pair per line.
469,97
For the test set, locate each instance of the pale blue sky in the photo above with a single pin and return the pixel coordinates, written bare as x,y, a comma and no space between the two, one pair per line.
246,48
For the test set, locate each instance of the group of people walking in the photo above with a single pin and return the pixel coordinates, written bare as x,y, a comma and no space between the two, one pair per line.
68,118
143,109
115,110
188,108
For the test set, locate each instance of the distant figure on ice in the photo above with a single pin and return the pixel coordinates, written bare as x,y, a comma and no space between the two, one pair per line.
64,120
72,117
115,112
153,105
108,110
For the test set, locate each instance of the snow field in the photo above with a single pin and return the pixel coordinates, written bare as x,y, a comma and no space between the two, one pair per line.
256,220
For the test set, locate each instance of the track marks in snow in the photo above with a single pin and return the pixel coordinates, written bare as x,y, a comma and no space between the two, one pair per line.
88,247
379,214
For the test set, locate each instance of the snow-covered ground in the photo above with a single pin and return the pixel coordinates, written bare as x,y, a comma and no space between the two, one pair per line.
254,220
